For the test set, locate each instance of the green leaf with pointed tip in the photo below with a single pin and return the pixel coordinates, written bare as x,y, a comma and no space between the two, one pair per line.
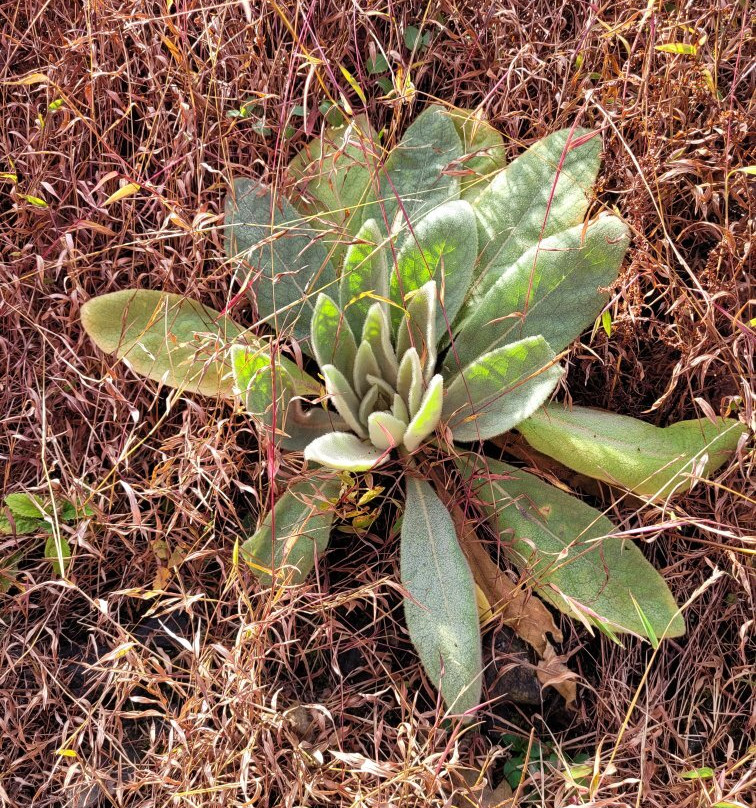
331,336
27,505
441,608
281,254
399,409
58,550
332,176
418,328
365,274
544,191
418,172
442,247
554,289
344,451
484,154
368,403
265,391
166,337
365,364
651,461
376,332
427,416
304,425
409,381
342,397
500,389
385,430
285,546
571,553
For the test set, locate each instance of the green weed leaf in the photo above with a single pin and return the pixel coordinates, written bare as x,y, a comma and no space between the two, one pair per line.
343,451
365,275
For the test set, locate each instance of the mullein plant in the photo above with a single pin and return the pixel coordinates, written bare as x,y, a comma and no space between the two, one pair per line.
431,292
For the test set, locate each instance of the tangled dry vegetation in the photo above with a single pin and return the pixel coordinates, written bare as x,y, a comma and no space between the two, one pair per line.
159,673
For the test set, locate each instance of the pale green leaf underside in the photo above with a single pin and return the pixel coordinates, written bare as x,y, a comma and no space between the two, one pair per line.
442,247
544,191
570,554
427,416
167,338
294,534
277,248
552,290
441,610
500,389
344,451
648,460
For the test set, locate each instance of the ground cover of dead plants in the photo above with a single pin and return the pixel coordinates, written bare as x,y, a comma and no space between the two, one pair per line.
159,673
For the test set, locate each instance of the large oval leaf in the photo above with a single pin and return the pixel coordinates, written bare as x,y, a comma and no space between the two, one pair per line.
651,461
285,546
331,337
441,608
542,192
417,175
442,247
282,255
484,154
572,553
500,389
555,289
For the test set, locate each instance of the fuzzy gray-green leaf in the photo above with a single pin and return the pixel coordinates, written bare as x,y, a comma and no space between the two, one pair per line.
343,398
442,247
427,416
385,430
343,451
294,533
331,336
365,274
418,328
376,332
544,191
572,554
500,389
441,609
651,461
484,152
555,289
282,255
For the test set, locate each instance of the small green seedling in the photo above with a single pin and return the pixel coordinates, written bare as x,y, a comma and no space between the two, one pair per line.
434,289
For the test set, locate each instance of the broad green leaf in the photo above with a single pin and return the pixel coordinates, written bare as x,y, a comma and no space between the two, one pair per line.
440,607
544,191
166,337
376,332
22,525
572,554
427,416
332,176
304,425
418,175
648,460
294,533
281,255
331,337
343,397
554,290
365,274
385,430
442,247
418,328
58,550
484,154
500,389
265,391
27,505
344,451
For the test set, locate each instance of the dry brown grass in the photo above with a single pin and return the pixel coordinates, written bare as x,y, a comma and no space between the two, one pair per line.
170,677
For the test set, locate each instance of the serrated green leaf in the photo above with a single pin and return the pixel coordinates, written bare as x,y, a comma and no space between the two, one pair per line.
343,397
702,773
484,154
554,289
23,526
58,550
427,416
441,609
500,389
284,548
166,337
27,505
386,431
544,191
417,173
365,275
331,337
442,247
648,460
417,328
276,248
344,451
571,553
